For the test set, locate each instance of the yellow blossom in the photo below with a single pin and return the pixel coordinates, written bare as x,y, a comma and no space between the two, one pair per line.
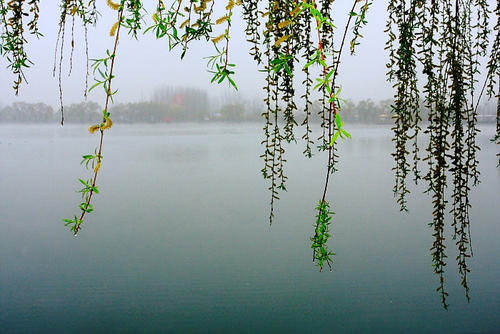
107,124
113,29
284,24
93,128
221,19
218,38
96,169
281,40
113,5
183,24
201,8
295,11
230,5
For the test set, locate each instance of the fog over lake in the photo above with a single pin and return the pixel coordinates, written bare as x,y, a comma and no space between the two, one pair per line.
180,239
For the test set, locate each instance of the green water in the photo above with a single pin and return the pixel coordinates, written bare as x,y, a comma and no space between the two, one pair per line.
180,240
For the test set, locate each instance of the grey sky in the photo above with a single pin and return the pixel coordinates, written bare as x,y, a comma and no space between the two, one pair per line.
144,65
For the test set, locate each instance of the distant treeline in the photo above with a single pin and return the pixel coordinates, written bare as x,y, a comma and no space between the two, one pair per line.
189,104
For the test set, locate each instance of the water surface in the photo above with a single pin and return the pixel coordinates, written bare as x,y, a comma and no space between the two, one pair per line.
180,239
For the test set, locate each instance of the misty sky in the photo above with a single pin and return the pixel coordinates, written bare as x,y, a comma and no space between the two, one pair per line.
145,65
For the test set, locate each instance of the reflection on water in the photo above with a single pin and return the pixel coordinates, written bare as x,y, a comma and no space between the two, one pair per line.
179,240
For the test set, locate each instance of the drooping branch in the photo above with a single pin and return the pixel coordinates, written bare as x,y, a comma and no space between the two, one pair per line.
90,188
446,38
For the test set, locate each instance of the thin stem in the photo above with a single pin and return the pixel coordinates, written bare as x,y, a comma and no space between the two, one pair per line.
333,107
108,95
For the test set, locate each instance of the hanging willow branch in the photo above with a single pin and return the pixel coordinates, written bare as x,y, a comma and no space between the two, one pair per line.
447,38
13,40
493,77
86,11
95,160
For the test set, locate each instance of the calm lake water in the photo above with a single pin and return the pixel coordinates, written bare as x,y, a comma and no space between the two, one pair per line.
179,241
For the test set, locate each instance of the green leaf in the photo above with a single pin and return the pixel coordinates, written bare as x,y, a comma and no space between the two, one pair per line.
287,69
84,183
214,77
329,74
328,89
338,121
337,93
102,74
68,221
222,76
232,83
334,138
86,207
347,134
95,85
310,63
